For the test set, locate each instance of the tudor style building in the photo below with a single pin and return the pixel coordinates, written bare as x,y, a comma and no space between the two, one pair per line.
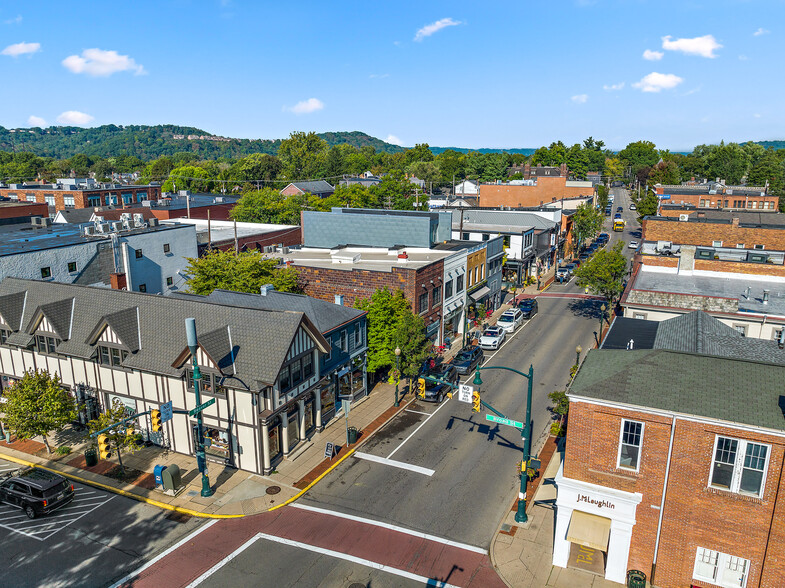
262,366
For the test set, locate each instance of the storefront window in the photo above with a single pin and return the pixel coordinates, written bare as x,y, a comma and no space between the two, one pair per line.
217,445
309,415
293,429
357,381
327,393
274,437
345,385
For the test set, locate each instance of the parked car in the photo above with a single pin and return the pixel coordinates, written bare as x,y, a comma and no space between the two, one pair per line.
36,492
619,209
492,338
563,274
603,237
468,359
510,320
633,207
436,391
632,245
571,267
608,211
528,307
617,216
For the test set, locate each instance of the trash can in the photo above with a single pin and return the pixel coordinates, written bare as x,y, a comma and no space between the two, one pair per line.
636,579
90,457
352,435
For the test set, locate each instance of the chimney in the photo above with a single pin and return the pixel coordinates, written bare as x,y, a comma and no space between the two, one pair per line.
117,281
781,340
263,290
735,222
339,299
765,297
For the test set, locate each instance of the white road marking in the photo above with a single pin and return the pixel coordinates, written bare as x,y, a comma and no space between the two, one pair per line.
404,530
418,412
444,403
394,463
328,552
163,554
506,340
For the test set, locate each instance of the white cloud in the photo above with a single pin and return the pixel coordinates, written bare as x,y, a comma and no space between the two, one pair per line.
74,118
305,106
756,115
743,58
36,121
702,46
18,49
758,33
654,82
613,87
435,27
650,55
580,98
101,63
393,140
379,76
16,20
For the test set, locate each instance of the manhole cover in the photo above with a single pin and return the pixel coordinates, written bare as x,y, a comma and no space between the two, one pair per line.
273,489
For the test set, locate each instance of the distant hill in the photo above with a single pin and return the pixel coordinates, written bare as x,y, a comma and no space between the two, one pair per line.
150,142
772,144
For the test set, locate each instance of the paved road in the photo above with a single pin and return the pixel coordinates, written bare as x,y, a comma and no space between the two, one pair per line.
91,542
466,468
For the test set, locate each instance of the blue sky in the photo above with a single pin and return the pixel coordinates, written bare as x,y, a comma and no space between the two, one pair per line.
460,73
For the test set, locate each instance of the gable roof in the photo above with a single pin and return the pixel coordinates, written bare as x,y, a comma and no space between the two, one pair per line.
260,339
686,383
314,186
58,313
11,307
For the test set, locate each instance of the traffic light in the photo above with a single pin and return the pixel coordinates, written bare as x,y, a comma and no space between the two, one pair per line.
103,447
421,387
129,431
155,417
476,401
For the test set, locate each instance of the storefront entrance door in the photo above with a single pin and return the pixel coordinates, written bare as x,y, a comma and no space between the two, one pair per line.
293,429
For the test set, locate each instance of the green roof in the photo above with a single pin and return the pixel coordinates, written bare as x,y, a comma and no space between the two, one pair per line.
730,390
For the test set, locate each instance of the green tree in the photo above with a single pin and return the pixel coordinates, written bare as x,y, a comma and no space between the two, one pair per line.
602,196
37,405
410,337
355,196
665,172
728,162
257,167
122,437
303,156
614,167
395,192
586,223
604,273
638,155
386,313
426,170
246,271
648,204
188,177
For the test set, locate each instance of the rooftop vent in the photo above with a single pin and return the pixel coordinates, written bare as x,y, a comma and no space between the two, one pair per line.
264,290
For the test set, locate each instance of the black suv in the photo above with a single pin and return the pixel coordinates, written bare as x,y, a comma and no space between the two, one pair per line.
467,359
436,391
36,491
528,306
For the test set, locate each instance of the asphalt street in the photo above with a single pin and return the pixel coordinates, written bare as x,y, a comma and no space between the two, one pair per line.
96,539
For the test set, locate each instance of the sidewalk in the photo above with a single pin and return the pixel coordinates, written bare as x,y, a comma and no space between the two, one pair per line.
235,492
522,553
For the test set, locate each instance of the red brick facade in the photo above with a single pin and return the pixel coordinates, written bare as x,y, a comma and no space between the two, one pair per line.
725,201
218,211
695,515
84,198
705,233
14,210
360,284
547,190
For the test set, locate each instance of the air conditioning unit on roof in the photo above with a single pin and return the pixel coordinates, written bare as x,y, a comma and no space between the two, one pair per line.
684,217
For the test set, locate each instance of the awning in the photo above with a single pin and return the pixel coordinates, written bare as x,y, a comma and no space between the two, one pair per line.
480,294
589,530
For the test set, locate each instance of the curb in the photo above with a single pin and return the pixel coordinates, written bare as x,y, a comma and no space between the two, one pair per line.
119,491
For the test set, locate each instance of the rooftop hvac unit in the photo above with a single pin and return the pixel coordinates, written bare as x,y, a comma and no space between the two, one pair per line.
684,217
115,226
127,224
125,216
284,250
153,222
89,231
102,227
269,249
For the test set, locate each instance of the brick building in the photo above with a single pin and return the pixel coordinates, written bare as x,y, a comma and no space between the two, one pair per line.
673,466
543,190
20,212
355,273
718,195
737,231
188,205
80,193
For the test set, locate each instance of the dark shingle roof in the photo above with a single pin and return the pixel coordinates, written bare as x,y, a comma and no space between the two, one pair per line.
11,307
326,316
685,383
623,329
260,339
314,187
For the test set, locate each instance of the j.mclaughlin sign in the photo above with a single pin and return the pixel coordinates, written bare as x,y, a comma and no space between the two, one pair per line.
597,503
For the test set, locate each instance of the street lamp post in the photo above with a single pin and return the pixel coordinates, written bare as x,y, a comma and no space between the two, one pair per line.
397,373
201,462
526,434
602,316
578,351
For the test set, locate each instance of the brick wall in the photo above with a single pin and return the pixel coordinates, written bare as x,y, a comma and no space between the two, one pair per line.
547,190
217,212
81,197
700,233
740,267
285,237
725,201
688,301
659,261
15,211
694,515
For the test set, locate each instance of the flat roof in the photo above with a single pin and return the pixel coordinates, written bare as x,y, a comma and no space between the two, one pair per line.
719,287
14,204
378,259
224,230
177,202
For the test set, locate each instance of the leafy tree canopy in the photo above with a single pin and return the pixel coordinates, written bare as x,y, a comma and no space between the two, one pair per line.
246,271
604,273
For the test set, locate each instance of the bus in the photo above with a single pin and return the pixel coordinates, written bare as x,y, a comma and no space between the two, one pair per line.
618,225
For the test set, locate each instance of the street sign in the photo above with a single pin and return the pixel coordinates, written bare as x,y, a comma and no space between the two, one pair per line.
347,404
502,421
465,393
166,411
329,450
201,407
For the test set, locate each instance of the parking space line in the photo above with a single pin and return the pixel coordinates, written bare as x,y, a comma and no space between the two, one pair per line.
418,412
53,523
444,403
394,463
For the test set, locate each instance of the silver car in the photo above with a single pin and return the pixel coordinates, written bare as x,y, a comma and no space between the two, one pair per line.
510,320
492,338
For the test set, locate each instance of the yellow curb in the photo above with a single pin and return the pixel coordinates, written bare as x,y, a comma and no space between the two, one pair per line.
149,501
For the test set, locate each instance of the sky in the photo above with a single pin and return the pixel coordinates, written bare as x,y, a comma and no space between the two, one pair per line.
470,74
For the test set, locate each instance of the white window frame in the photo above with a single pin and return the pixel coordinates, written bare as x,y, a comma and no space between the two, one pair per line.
738,466
640,447
760,247
742,329
716,243
723,564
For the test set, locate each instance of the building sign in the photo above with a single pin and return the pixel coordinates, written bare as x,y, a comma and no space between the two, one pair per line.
598,503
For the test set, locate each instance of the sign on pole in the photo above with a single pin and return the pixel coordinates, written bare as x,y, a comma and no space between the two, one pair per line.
346,406
201,407
502,421
465,393
166,411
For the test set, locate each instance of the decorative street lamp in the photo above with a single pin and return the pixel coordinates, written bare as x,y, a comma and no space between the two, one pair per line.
578,351
201,462
397,373
602,316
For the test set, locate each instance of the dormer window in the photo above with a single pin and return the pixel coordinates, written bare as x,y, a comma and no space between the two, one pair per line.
210,383
46,344
4,335
111,356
